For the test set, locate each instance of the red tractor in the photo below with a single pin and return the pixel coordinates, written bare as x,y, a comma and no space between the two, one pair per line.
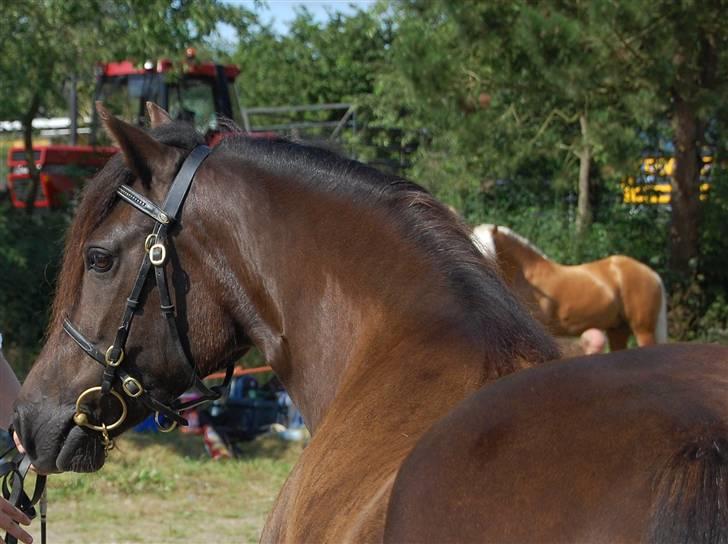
199,92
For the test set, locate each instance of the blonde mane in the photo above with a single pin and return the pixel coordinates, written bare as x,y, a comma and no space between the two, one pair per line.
483,235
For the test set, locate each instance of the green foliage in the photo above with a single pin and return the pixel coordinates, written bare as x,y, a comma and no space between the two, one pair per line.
30,251
713,325
314,63
637,231
714,243
500,87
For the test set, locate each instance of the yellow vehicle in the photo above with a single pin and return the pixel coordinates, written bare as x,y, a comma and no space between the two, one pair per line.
652,185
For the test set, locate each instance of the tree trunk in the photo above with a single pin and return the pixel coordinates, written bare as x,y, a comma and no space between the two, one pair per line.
583,210
29,155
685,197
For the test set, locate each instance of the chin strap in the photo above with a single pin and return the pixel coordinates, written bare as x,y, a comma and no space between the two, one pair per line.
12,482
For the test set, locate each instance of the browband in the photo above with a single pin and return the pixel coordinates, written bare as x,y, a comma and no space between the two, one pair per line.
142,203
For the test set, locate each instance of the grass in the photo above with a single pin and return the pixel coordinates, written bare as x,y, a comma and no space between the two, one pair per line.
164,488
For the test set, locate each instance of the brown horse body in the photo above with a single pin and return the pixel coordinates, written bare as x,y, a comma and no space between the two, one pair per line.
617,294
626,447
376,312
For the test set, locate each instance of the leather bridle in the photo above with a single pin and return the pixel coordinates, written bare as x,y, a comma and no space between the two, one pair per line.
113,357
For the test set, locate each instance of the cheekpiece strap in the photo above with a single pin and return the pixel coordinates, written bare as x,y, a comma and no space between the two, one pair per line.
183,180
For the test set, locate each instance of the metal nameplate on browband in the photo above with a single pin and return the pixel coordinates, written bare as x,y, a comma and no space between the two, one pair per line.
142,204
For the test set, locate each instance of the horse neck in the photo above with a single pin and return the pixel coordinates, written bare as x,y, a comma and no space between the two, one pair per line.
332,295
518,256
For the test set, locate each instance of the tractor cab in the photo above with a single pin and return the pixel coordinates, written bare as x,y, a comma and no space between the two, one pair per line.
202,93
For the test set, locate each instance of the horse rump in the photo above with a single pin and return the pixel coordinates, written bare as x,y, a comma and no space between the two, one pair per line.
691,494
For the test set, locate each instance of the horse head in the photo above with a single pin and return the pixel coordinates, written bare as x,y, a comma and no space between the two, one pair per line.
71,407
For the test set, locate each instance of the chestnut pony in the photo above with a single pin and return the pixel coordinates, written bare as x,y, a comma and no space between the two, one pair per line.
617,294
381,318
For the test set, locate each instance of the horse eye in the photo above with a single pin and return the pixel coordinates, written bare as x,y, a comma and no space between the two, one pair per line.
100,260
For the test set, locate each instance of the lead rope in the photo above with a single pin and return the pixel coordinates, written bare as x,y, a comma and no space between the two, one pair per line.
13,474
43,515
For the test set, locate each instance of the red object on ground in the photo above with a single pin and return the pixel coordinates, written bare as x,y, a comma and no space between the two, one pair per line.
214,444
239,371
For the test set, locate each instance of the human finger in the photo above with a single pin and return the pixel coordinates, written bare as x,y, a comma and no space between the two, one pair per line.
15,530
18,444
13,513
21,449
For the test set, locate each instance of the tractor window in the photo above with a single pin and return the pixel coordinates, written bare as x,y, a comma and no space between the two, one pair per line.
126,96
192,99
234,105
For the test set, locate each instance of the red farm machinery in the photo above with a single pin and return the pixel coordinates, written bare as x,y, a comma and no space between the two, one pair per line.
199,92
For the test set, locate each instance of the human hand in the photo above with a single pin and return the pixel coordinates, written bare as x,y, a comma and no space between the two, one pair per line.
18,444
10,517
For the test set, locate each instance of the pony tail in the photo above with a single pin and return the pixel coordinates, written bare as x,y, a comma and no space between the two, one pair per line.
661,324
691,495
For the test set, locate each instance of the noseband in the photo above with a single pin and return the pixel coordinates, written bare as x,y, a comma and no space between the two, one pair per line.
112,358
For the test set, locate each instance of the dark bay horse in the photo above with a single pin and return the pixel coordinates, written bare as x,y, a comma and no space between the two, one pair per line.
618,294
626,447
363,293
381,318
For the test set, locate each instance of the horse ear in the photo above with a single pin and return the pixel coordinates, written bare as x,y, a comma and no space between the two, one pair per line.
157,115
495,229
145,156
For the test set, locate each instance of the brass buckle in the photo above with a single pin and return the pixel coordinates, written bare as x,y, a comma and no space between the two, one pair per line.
132,381
109,360
162,429
81,418
158,261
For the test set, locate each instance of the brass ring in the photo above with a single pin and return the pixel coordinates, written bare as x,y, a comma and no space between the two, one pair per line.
162,428
81,418
109,360
150,241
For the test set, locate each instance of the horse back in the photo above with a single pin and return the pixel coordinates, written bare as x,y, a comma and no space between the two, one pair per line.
611,448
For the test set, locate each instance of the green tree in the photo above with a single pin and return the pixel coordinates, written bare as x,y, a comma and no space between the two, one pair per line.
527,94
678,50
314,63
530,80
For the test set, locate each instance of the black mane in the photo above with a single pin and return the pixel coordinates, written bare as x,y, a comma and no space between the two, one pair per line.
442,235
